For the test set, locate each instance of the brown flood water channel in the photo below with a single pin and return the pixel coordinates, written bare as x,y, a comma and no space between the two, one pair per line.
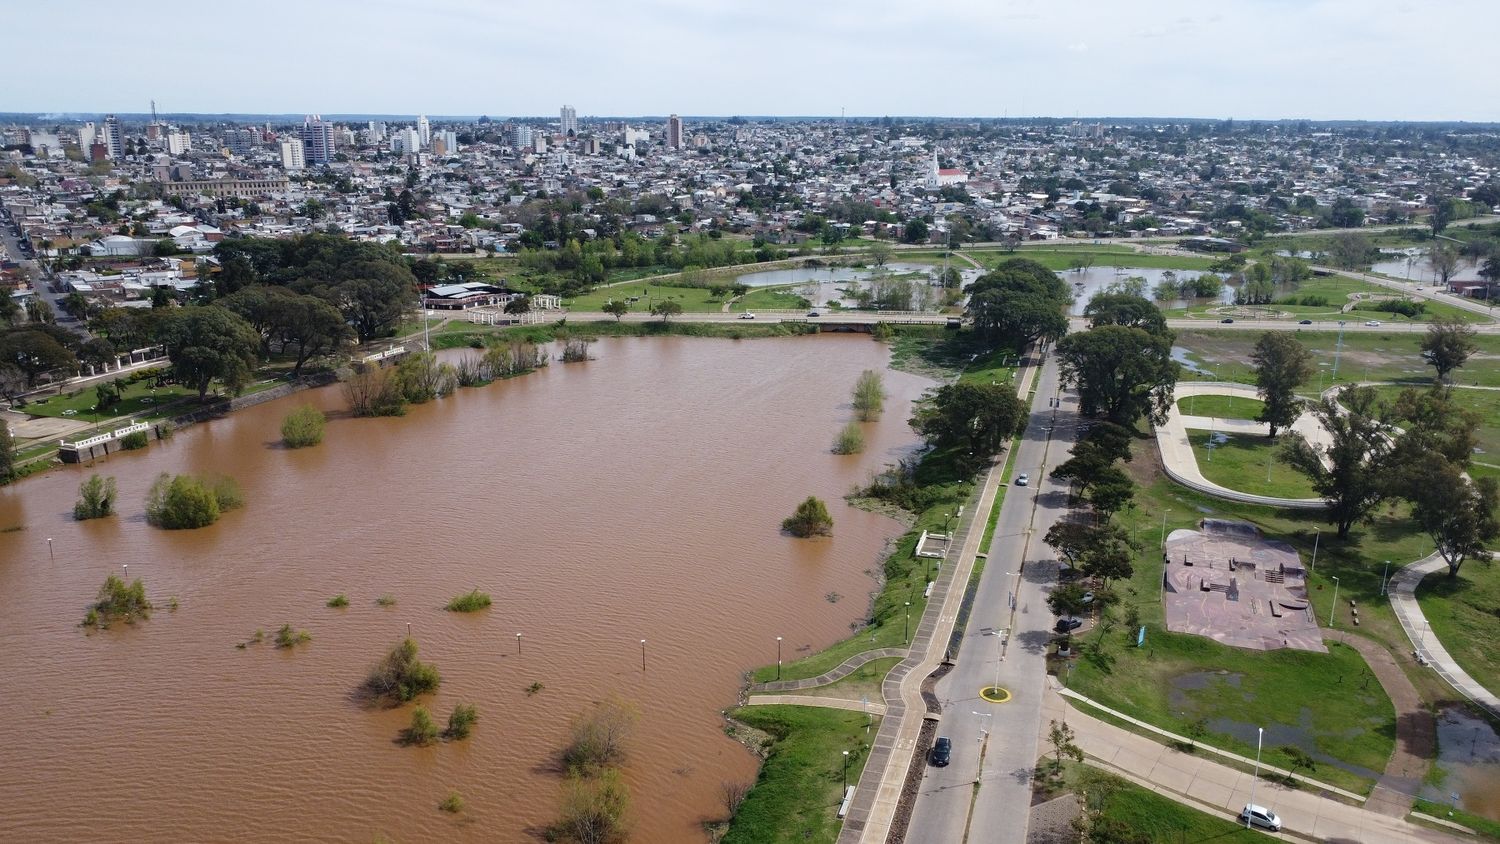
637,496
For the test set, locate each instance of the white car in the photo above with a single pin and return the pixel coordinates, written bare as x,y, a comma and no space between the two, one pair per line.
1023,479
1373,323
1260,816
747,315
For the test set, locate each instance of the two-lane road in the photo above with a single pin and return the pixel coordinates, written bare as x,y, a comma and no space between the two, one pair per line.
1005,645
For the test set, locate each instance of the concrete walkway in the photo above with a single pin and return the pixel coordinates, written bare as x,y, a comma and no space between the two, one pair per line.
1416,729
1221,790
1403,594
1181,464
847,667
813,700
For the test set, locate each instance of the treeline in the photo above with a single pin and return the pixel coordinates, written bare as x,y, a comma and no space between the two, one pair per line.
577,265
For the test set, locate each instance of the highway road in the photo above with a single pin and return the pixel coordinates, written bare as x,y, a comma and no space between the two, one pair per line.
1005,646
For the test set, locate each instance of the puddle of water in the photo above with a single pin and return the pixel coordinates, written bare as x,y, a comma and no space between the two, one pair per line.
1180,354
1469,761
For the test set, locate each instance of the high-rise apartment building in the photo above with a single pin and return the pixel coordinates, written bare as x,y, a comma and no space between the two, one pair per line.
86,137
444,142
114,140
317,140
424,132
406,141
674,132
241,141
520,137
569,121
635,136
292,157
178,142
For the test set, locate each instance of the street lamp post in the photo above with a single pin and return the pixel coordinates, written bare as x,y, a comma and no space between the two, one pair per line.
1260,733
846,772
778,657
1316,537
906,625
1384,576
643,656
1164,527
1335,601
50,555
518,644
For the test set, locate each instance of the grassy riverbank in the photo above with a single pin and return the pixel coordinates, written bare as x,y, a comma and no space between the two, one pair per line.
1150,815
796,797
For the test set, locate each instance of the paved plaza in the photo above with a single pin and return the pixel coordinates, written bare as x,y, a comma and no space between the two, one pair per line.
1230,584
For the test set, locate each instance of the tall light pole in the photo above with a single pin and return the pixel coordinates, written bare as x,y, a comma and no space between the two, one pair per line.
1335,601
1316,537
778,657
1384,576
906,625
518,644
1164,527
1337,351
846,772
643,656
51,556
1260,733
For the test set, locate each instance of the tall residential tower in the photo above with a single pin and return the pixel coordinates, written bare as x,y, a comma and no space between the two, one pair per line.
569,121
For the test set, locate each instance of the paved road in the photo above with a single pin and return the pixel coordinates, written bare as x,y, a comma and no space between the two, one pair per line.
1000,807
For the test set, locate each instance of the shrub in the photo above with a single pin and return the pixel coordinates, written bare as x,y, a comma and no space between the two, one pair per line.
135,440
869,395
118,602
811,519
461,722
851,440
882,332
597,739
286,637
453,803
400,676
96,498
182,502
594,811
386,601
302,427
470,601
339,601
374,391
422,731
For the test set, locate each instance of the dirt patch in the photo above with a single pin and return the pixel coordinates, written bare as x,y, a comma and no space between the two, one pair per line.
1052,821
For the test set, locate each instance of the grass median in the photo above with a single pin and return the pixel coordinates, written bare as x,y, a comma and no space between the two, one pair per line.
1247,463
1221,407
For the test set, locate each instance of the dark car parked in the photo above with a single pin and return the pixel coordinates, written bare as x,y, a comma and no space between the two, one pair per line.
1068,625
942,751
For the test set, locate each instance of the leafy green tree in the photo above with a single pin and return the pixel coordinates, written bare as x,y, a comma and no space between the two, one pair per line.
1121,371
1354,482
1021,301
96,498
310,327
1111,492
1108,561
1068,599
207,344
376,300
1432,421
1073,539
1085,467
666,309
1448,345
1111,440
880,253
1282,364
35,352
869,395
915,231
302,427
7,452
518,305
1443,259
616,308
1125,309
978,417
1456,513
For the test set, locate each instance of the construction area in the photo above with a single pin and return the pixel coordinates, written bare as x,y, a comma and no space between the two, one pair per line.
1228,583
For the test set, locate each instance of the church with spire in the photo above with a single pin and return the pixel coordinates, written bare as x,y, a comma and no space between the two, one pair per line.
937,176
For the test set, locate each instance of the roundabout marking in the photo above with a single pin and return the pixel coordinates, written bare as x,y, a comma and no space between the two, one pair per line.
995,694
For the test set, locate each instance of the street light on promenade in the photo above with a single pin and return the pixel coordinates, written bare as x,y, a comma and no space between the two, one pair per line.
906,625
846,772
778,657
1260,733
1335,601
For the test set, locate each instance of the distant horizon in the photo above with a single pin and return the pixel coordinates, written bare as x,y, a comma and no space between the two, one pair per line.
338,117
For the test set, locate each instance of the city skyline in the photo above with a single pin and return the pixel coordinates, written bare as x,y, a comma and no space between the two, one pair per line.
1251,61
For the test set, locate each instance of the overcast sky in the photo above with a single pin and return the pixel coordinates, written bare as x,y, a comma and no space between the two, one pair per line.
1247,59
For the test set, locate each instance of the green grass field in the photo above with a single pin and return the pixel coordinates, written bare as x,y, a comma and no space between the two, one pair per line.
693,299
1484,402
138,399
1331,699
770,298
797,795
1149,814
1367,356
863,683
1248,464
1221,407
1463,615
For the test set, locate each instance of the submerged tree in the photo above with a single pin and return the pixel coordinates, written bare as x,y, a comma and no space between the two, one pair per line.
810,519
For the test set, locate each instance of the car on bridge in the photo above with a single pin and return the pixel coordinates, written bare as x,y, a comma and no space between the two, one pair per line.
812,313
747,315
1373,323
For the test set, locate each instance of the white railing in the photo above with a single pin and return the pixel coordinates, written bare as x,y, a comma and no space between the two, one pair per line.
108,436
376,357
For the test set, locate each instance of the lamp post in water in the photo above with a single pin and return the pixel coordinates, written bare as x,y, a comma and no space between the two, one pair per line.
778,657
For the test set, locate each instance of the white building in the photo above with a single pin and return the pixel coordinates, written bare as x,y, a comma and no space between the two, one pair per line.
569,120
636,136
444,142
406,141
424,132
317,140
520,137
292,157
114,141
87,134
179,142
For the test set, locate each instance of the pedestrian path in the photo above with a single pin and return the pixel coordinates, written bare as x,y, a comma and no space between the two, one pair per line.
1403,594
813,700
1219,789
847,667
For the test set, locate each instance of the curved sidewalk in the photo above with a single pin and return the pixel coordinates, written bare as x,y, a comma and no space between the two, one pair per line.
845,668
1181,464
1403,594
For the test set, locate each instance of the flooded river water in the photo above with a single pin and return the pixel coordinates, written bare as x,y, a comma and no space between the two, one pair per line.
637,496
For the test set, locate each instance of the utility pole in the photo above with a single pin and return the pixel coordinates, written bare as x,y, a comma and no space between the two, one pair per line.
1337,350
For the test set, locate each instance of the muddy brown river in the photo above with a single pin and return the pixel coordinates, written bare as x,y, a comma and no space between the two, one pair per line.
637,496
